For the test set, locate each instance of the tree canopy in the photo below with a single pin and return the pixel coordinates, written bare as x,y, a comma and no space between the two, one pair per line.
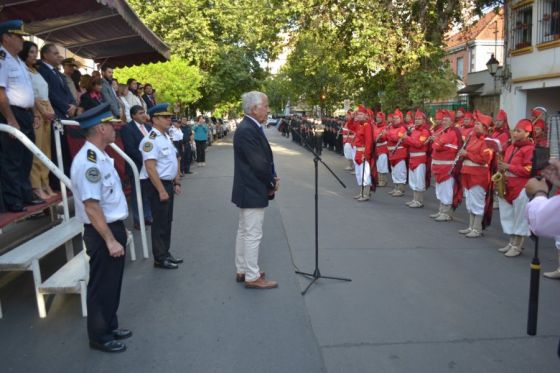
375,52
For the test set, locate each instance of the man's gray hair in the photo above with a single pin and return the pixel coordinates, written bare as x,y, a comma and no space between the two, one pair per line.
251,99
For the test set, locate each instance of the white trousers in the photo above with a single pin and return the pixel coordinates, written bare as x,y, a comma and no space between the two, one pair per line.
513,217
367,176
417,178
348,151
382,164
398,173
249,235
475,199
444,191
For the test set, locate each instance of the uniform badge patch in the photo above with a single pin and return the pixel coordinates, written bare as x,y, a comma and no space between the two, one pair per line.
148,146
91,156
153,135
93,175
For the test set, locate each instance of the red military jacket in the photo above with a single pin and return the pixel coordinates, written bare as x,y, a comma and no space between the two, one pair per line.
519,156
393,136
465,131
476,164
363,142
417,146
348,132
444,152
503,135
381,145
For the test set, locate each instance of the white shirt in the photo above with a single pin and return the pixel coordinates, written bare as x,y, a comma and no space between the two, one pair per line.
14,77
158,146
126,108
542,214
40,85
132,99
94,176
175,133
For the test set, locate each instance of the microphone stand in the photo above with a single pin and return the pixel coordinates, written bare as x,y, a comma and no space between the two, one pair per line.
316,275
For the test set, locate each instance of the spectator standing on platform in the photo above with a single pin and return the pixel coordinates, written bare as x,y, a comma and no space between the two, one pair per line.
122,92
16,110
200,130
186,160
131,96
148,96
254,184
160,182
107,91
132,134
101,205
139,92
43,117
92,97
69,66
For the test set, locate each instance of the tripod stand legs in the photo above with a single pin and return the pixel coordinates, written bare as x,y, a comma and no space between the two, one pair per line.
317,275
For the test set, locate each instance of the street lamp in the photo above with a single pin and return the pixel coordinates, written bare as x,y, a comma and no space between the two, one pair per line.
492,65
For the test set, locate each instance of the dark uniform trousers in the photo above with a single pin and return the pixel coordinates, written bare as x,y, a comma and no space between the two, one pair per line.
16,160
105,280
162,213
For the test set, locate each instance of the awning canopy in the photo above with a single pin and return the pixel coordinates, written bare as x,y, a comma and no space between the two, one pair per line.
107,31
471,89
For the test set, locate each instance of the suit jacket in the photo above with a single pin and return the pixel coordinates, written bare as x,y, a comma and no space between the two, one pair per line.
148,100
131,137
59,93
254,172
110,97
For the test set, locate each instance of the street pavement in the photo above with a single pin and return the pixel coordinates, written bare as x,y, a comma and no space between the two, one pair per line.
422,298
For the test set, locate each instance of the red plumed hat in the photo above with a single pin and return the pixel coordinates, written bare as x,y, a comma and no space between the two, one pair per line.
502,115
485,120
439,114
525,125
419,115
398,113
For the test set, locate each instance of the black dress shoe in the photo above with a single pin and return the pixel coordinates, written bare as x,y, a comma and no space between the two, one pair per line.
165,264
16,208
35,201
111,346
174,260
122,333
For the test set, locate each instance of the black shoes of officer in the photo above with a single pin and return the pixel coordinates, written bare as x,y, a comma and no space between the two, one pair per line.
174,260
16,208
165,264
110,346
122,333
35,201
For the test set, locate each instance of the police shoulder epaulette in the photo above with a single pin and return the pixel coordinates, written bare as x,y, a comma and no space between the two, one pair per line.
153,135
2,55
91,156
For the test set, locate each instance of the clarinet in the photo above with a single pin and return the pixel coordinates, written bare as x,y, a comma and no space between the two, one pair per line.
458,157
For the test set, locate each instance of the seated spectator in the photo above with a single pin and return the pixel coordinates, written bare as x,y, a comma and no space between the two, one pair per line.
108,91
76,78
95,74
44,115
148,96
92,97
131,134
122,92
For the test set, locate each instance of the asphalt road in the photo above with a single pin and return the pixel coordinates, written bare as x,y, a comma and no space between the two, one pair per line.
422,297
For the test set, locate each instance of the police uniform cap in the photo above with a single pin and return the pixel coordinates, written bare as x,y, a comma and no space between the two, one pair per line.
94,116
159,110
14,26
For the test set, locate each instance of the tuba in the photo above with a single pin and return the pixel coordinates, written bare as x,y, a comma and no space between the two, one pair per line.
499,180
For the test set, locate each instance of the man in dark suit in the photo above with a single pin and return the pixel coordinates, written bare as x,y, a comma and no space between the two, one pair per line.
62,100
131,134
254,184
149,95
186,160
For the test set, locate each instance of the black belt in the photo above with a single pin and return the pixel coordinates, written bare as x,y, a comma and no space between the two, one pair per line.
115,223
19,108
167,181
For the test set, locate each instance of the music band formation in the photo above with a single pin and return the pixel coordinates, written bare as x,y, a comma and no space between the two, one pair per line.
472,157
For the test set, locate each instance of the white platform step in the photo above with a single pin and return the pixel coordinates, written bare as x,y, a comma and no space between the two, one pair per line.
67,278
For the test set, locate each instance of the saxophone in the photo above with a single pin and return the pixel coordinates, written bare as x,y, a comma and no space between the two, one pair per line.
499,180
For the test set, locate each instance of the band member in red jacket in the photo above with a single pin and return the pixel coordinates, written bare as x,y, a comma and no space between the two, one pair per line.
397,154
459,117
475,174
468,124
501,130
347,140
417,150
409,119
538,118
381,150
516,168
437,121
363,141
444,151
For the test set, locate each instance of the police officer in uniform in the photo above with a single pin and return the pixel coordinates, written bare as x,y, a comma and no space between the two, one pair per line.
160,181
16,109
101,205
